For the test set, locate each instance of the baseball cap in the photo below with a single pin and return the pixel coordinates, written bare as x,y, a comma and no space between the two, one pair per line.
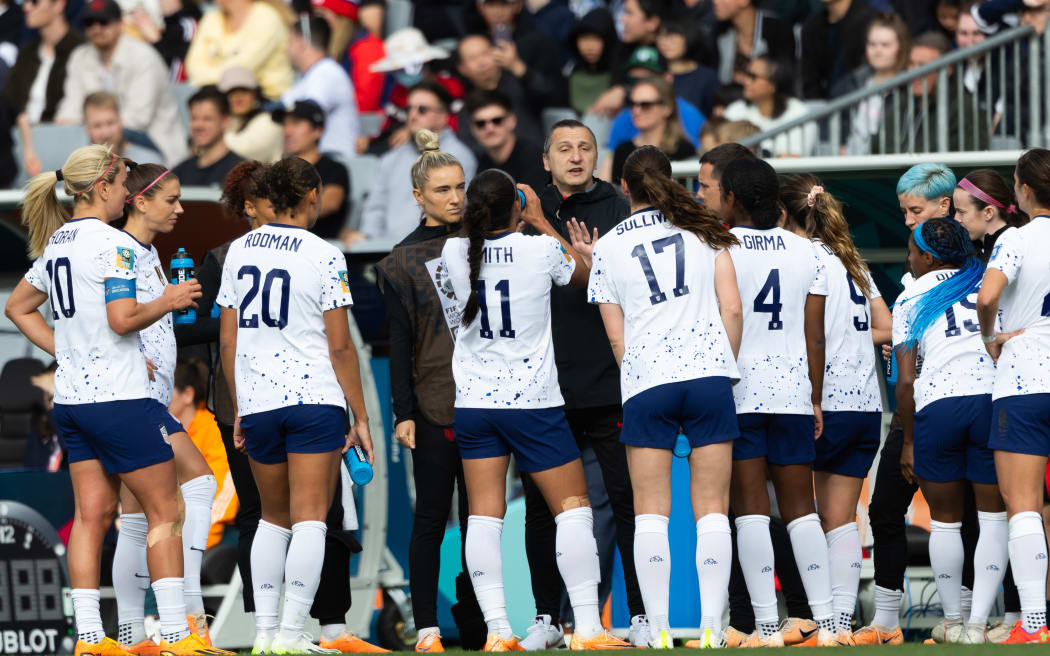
345,8
237,77
646,57
305,109
106,11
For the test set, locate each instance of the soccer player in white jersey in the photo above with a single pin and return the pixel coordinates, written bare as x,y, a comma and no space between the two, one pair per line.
508,400
153,208
1017,285
290,361
112,431
856,320
946,414
669,300
782,289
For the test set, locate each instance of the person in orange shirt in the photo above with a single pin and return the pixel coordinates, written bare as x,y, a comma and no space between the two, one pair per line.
188,405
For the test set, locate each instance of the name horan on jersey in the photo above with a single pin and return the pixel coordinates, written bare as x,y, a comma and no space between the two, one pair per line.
61,237
267,240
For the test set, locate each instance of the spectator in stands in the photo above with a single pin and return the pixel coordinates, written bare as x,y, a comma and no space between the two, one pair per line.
640,22
645,63
709,179
830,47
248,33
407,60
45,447
768,104
886,52
968,34
948,17
127,67
188,406
679,44
495,127
516,39
917,130
390,211
722,132
371,14
34,85
252,133
356,47
173,36
211,159
304,127
709,133
593,48
104,126
529,92
747,33
654,112
324,82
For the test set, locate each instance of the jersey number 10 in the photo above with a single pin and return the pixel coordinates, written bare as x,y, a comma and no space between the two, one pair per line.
54,272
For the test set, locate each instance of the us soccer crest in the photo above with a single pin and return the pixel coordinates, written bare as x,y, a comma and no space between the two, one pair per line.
125,258
344,280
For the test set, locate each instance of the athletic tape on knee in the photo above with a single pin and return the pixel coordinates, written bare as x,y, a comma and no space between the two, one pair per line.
163,532
569,503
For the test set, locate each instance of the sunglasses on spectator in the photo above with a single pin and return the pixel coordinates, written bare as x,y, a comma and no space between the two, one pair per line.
644,105
422,109
751,75
91,22
496,121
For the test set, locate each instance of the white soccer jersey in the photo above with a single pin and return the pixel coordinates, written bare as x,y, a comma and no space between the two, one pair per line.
1023,257
775,271
662,277
505,357
954,361
158,339
850,382
281,279
95,364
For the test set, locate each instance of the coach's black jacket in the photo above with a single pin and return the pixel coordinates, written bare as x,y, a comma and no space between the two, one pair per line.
587,370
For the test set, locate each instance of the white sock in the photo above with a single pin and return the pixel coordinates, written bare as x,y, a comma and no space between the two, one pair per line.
755,551
332,631
652,562
1009,619
131,578
811,555
171,607
198,495
946,561
887,607
485,562
88,617
577,554
1028,559
989,564
269,550
302,573
966,599
714,561
844,556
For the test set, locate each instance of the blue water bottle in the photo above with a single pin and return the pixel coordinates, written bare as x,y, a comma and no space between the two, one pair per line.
682,448
357,464
181,271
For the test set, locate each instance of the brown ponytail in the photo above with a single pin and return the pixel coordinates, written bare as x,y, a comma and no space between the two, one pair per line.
647,172
490,200
825,221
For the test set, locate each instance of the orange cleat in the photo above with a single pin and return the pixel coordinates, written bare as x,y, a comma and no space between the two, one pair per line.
1018,636
799,632
199,624
145,648
499,643
602,641
192,645
755,640
107,647
348,643
430,643
873,634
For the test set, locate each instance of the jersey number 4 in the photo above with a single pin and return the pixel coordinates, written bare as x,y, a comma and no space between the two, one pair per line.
680,288
273,275
770,289
503,287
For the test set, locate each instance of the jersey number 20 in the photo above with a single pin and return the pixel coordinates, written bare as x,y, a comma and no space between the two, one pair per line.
252,321
680,288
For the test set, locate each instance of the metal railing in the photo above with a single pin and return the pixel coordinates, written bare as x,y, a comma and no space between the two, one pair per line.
999,106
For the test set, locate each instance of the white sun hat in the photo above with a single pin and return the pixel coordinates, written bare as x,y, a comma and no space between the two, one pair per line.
407,49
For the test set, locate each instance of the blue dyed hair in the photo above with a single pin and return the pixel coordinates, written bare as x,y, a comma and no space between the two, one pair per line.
929,180
948,241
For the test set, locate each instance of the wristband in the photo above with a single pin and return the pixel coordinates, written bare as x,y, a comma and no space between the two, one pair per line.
988,339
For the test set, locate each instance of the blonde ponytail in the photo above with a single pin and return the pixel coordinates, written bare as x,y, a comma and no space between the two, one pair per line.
431,157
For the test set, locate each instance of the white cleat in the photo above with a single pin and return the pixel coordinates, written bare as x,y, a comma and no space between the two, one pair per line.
661,639
639,633
301,644
543,635
262,643
974,634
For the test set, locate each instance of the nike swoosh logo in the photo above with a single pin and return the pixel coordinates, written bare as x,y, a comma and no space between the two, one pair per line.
806,634
196,549
886,641
139,576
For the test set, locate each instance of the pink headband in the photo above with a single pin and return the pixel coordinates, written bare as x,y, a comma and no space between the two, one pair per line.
147,188
99,178
972,189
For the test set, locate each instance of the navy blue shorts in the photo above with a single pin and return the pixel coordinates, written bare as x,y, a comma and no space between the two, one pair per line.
171,424
951,440
849,442
1021,424
780,439
539,439
701,409
122,435
271,435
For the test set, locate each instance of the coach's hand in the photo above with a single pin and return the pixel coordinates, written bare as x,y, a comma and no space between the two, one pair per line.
360,436
238,436
908,462
405,432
